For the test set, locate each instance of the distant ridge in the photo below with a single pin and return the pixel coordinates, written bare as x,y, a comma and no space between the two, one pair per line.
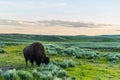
77,38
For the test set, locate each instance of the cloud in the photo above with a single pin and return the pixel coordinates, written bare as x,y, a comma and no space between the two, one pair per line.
6,3
46,5
5,14
72,24
53,23
31,4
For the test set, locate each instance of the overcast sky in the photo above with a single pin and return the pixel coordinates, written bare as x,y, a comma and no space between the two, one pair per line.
103,11
95,11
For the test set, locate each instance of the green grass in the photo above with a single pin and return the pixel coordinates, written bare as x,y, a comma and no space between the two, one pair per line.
90,71
85,69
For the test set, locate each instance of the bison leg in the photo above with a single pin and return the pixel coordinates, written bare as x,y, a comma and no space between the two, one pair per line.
26,62
32,61
38,62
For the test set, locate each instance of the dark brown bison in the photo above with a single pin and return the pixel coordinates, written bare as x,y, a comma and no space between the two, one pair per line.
35,53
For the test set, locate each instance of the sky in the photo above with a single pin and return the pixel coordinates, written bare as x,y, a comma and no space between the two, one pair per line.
103,11
94,11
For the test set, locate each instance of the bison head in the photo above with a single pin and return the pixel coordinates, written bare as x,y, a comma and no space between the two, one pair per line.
46,60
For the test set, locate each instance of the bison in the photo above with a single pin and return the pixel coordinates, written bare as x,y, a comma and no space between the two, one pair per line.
35,53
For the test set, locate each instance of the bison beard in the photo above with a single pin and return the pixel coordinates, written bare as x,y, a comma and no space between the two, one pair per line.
35,53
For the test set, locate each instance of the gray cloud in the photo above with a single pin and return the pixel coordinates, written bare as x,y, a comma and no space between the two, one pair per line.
71,24
51,23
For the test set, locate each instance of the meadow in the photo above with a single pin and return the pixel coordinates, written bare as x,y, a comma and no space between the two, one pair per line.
71,57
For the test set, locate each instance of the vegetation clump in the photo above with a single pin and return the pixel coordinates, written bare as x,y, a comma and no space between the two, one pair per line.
113,57
86,53
37,74
73,78
25,75
49,72
1,76
72,51
65,63
62,74
11,75
82,53
44,72
0,72
53,49
2,50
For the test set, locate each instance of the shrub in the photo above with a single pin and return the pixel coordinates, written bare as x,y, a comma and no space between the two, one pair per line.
49,76
73,78
54,72
56,48
87,53
51,52
67,63
49,72
2,51
56,62
11,75
81,53
2,45
0,72
25,75
49,67
59,50
70,51
56,78
53,49
43,77
36,74
44,72
112,57
1,76
62,73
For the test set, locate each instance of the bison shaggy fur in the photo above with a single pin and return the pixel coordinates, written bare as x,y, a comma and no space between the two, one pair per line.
35,53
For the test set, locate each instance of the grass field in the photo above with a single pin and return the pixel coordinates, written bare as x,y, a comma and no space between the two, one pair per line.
88,60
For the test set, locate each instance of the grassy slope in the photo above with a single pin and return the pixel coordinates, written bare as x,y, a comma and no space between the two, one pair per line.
83,70
79,38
